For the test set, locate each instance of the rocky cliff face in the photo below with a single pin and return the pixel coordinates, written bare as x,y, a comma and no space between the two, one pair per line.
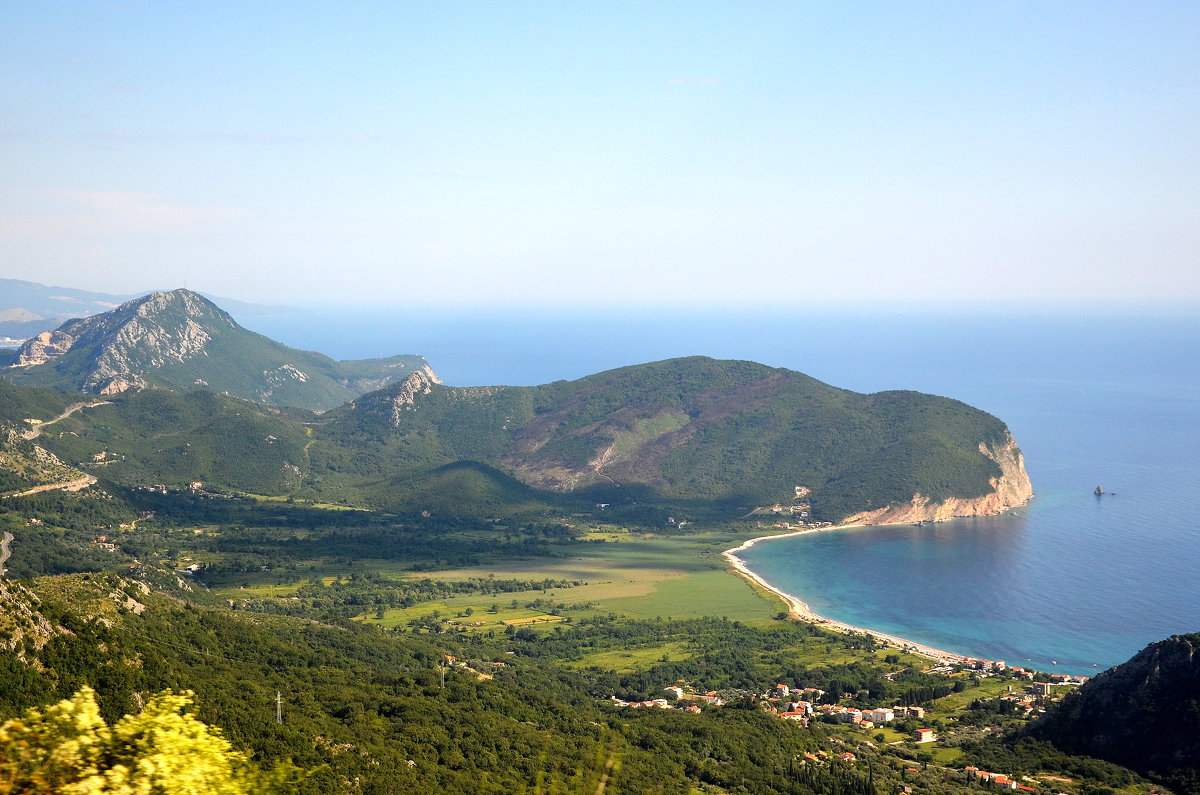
401,397
1010,489
43,348
24,627
164,328
143,334
32,464
1144,714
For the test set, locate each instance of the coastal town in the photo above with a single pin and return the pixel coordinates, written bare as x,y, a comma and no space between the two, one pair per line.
896,734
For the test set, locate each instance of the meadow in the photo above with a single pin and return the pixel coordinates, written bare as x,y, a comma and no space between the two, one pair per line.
626,574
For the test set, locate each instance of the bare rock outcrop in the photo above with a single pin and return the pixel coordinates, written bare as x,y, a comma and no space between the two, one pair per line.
43,348
22,623
1011,489
400,397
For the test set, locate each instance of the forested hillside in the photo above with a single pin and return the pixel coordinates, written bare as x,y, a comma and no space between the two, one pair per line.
701,436
691,431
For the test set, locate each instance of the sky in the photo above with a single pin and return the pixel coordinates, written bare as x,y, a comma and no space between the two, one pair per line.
588,154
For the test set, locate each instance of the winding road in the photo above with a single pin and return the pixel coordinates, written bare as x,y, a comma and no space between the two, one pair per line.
5,551
66,485
36,430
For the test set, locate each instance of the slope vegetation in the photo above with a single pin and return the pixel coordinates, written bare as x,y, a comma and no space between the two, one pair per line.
1144,714
691,430
695,434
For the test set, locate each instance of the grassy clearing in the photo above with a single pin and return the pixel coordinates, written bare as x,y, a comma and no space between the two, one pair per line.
481,619
328,506
261,590
957,702
627,660
890,735
943,755
641,577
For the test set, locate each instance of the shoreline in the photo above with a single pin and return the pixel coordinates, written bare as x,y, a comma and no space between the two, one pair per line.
799,609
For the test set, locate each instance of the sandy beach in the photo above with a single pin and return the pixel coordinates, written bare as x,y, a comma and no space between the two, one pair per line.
800,610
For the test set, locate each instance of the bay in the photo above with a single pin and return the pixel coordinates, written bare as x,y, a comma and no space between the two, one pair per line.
1111,400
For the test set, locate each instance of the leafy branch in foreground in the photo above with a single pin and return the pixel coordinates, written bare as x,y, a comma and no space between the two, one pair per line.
68,748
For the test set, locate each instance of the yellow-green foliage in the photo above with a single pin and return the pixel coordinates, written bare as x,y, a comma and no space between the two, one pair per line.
647,429
164,750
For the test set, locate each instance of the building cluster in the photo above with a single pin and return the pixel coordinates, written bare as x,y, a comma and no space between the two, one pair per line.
996,780
105,544
683,700
782,700
985,665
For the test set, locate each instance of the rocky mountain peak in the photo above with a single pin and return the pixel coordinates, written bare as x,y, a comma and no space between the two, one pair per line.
166,326
146,333
180,340
393,401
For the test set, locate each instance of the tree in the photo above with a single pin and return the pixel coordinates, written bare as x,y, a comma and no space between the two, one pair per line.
163,750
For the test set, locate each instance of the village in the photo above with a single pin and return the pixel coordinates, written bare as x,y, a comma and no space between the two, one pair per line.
805,705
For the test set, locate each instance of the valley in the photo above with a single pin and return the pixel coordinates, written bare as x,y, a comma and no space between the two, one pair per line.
491,589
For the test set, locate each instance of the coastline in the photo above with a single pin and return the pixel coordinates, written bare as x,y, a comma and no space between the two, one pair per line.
799,609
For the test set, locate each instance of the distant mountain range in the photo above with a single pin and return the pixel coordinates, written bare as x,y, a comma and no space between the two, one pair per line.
695,433
29,308
182,341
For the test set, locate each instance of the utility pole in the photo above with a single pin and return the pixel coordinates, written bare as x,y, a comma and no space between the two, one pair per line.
278,707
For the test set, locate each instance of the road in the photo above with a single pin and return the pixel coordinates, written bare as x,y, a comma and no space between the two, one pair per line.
65,485
5,551
36,430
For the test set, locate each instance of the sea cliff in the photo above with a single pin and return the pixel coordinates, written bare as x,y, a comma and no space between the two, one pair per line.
1010,489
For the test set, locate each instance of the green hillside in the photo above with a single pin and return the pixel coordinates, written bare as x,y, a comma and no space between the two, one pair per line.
695,430
701,435
156,436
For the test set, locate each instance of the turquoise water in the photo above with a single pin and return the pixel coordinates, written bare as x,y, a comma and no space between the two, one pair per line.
1082,580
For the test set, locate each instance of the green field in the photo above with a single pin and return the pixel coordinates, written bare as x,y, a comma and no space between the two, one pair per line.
626,660
675,577
956,702
629,574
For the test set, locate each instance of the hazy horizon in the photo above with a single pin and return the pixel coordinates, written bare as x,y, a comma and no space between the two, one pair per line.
616,154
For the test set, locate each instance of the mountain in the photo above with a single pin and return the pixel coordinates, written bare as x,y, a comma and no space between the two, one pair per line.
702,431
1144,714
693,435
28,308
181,340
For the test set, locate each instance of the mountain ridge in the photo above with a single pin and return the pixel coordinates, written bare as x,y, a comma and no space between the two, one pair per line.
29,308
181,340
709,434
700,429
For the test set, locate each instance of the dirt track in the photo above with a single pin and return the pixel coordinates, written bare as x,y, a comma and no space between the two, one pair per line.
5,551
36,430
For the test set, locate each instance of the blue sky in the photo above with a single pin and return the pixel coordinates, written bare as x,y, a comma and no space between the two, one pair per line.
509,153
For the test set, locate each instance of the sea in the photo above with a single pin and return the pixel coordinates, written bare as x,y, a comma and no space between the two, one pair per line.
1071,583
